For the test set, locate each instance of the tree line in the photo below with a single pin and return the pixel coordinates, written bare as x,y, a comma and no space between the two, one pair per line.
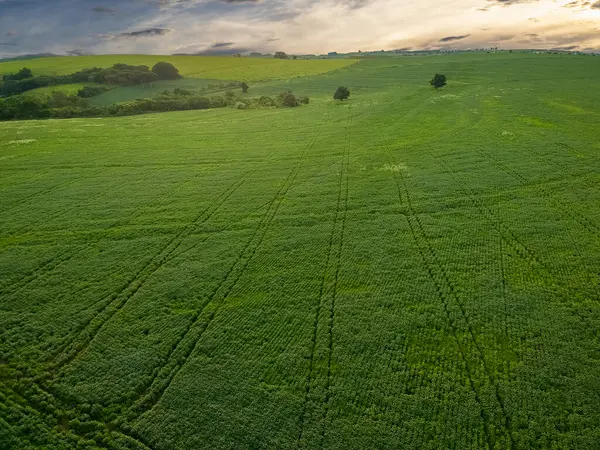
60,105
117,75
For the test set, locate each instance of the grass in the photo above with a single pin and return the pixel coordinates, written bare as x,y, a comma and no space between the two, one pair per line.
69,89
211,67
407,269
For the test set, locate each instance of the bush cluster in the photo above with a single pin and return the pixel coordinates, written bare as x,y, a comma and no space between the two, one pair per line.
92,91
61,105
117,75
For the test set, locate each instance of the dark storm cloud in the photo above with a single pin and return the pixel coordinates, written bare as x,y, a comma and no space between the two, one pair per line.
11,33
147,32
454,38
240,1
8,44
221,45
104,10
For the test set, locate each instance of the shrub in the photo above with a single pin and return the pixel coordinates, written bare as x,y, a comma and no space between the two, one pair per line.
304,100
342,93
244,87
198,103
59,99
23,108
20,75
166,71
266,101
182,92
287,99
438,81
240,105
91,91
218,102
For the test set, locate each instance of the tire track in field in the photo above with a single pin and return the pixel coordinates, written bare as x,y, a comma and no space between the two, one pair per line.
190,339
55,397
505,232
25,402
119,300
157,388
323,289
67,255
496,224
430,260
337,273
108,300
446,293
15,285
49,266
507,236
586,223
546,274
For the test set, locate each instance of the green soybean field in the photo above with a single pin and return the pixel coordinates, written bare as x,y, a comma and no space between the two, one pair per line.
410,268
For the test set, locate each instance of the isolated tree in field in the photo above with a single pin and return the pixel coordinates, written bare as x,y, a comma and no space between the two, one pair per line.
438,81
166,71
244,87
342,93
280,55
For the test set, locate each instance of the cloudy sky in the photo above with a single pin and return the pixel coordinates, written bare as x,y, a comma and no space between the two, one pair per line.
293,26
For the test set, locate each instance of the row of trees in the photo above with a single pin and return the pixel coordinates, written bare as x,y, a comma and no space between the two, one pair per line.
61,105
118,74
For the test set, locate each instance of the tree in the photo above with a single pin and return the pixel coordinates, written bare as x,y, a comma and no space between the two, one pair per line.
20,75
287,99
438,81
342,93
280,55
244,87
166,71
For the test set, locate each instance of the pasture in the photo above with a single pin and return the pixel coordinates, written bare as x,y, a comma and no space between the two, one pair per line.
410,268
212,67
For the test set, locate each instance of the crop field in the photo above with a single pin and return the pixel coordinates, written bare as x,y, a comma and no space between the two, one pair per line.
213,67
411,268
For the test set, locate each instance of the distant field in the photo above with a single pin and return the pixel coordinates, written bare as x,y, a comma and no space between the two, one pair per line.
409,269
213,67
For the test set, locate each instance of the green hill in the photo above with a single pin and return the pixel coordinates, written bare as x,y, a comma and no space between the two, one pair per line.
212,67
